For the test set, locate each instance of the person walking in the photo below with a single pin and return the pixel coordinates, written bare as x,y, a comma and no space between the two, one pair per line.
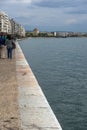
9,46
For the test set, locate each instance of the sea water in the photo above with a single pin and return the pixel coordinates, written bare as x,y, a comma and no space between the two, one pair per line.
60,66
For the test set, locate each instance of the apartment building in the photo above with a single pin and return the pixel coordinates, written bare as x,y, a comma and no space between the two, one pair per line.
9,26
17,29
22,31
5,25
13,30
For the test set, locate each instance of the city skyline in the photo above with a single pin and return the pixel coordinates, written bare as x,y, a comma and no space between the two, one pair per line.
46,15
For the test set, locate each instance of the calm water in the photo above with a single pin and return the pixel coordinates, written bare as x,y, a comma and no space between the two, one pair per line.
60,66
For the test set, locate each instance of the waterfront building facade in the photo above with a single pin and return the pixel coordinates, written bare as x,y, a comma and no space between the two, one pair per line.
9,26
17,29
22,30
5,25
13,26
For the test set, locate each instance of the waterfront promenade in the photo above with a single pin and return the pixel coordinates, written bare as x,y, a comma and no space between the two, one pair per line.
9,114
23,105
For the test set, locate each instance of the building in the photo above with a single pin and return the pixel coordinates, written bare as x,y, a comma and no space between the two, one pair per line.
13,26
5,25
17,29
9,26
22,31
35,32
54,34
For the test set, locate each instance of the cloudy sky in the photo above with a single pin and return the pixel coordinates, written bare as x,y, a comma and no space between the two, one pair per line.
48,15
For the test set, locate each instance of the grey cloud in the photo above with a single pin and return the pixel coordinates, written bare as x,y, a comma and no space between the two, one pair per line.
47,14
67,6
60,3
77,11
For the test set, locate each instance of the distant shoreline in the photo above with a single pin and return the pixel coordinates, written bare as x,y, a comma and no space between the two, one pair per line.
55,37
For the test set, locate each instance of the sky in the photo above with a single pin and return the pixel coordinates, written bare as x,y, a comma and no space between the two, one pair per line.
48,15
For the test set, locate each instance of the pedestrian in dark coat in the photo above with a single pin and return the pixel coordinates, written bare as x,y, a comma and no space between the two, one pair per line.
9,46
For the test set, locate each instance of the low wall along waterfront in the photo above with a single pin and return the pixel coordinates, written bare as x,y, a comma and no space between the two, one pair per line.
35,111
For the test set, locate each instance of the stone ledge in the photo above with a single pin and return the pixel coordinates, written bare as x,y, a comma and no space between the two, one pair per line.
35,111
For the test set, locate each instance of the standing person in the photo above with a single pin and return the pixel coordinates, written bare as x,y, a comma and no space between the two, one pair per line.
9,46
3,49
0,45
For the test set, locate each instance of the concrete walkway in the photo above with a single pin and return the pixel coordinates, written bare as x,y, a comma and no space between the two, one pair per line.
23,105
9,111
